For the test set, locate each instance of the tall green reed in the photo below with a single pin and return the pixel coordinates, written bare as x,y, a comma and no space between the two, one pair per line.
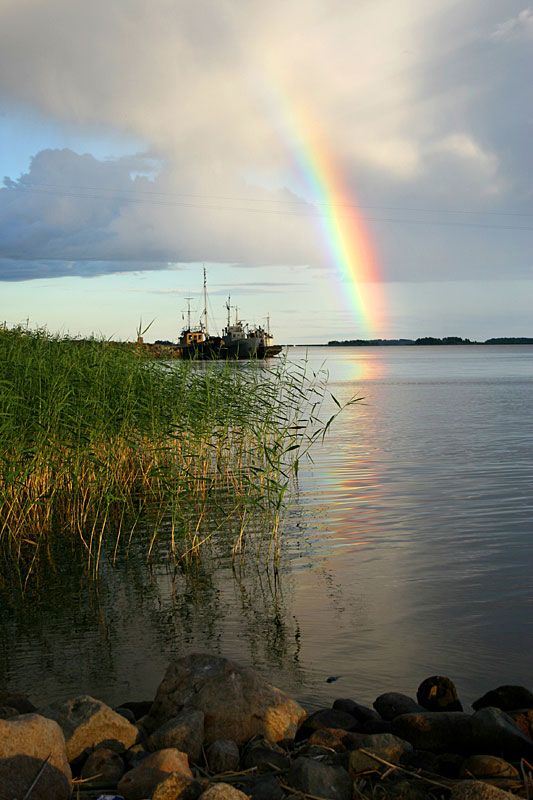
100,445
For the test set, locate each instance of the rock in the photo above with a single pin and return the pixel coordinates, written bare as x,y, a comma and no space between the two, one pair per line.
223,791
25,743
87,723
441,732
384,745
524,720
478,790
127,713
177,787
328,738
18,701
139,708
134,755
104,765
487,767
264,755
495,733
238,704
313,777
438,694
360,713
223,756
266,787
326,718
140,782
507,698
185,732
391,704
406,790
8,712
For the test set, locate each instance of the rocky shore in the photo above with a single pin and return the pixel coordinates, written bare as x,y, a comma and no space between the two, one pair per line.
218,731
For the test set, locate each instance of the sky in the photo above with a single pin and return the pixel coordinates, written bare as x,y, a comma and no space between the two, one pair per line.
348,168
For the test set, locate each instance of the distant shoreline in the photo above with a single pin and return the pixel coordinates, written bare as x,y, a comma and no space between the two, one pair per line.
426,341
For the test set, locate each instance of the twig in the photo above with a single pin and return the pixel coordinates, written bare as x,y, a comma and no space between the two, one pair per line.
407,771
34,782
301,794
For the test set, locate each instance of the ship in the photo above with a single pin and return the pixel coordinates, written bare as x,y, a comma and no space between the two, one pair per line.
265,341
195,342
236,339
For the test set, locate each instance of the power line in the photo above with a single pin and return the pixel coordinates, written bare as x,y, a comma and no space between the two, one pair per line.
308,213
295,201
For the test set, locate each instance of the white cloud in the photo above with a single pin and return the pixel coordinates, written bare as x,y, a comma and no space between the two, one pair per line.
519,27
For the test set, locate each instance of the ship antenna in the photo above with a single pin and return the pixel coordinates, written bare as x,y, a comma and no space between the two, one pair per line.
188,299
228,306
205,303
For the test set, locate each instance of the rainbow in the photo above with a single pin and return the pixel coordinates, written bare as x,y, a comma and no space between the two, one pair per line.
344,230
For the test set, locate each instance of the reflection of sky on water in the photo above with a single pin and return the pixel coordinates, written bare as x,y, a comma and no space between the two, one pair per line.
407,553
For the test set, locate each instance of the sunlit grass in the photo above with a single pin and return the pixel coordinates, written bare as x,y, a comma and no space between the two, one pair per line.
99,444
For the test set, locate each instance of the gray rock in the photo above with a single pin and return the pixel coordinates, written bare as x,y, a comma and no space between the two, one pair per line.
360,713
18,701
105,765
441,732
127,713
25,743
142,781
264,756
8,712
507,698
87,722
134,755
223,791
326,718
385,745
223,756
238,704
487,767
478,790
438,694
495,733
266,787
391,704
185,732
313,777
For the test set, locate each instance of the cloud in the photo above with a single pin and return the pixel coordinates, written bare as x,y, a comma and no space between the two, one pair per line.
519,27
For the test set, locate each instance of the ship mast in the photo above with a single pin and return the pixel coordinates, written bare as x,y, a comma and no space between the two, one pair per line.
188,299
205,303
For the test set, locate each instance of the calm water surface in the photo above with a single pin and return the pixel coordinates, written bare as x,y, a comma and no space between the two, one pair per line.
407,552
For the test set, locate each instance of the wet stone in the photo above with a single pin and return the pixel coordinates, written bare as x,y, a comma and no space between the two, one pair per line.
265,787
392,704
223,756
487,767
312,777
104,765
478,790
507,698
438,694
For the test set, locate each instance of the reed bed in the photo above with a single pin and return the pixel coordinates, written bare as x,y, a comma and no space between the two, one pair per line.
99,444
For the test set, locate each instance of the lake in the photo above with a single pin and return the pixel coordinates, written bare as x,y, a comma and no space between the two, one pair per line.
407,552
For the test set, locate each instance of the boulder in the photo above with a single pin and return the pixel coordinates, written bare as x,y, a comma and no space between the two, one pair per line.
140,782
18,701
328,738
223,756
362,714
438,694
495,733
25,743
487,767
237,703
326,718
384,745
177,787
315,778
8,712
264,755
223,791
87,723
185,732
478,790
507,698
391,704
266,787
441,732
104,765
524,720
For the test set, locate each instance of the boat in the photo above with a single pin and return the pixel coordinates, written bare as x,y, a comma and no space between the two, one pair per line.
265,341
236,339
196,342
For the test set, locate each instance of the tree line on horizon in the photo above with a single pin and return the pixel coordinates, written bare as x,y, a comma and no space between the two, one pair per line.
428,340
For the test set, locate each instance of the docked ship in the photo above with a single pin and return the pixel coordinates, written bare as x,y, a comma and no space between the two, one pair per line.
195,342
265,341
236,339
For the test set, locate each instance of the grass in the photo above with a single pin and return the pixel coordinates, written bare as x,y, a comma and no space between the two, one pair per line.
100,444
